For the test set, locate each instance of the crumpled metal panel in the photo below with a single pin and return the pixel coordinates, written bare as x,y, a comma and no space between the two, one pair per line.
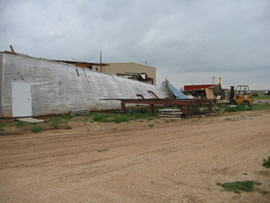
176,92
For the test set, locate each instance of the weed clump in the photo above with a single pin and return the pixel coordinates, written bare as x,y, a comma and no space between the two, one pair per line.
151,125
150,118
2,127
37,129
236,187
68,127
55,124
67,117
266,162
20,124
237,108
101,118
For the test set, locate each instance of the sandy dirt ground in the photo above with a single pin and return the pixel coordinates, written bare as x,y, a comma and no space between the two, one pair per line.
177,161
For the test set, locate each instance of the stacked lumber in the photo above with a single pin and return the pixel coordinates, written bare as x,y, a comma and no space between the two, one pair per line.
170,114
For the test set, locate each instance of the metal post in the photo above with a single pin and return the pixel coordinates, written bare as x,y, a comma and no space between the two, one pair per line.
123,107
210,106
101,61
185,110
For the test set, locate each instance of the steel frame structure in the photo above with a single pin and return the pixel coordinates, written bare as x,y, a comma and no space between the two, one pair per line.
152,102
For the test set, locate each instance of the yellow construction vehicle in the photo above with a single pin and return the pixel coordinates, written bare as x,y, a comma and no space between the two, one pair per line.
241,95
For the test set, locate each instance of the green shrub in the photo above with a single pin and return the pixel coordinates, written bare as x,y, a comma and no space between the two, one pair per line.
151,125
266,162
55,124
236,187
37,129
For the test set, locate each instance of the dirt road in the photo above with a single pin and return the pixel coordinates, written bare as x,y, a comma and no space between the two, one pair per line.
131,162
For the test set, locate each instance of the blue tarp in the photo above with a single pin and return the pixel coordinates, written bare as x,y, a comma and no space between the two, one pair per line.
177,93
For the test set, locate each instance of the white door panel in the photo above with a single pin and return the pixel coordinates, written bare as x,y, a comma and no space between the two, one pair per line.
21,99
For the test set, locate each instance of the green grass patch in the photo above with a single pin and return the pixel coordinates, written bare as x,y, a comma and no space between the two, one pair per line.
266,162
150,118
85,119
110,118
260,106
237,108
133,114
68,127
101,118
218,109
262,96
37,129
253,107
66,117
151,125
20,124
120,118
238,186
140,113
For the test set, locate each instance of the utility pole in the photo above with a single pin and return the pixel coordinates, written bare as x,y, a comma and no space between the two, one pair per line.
100,60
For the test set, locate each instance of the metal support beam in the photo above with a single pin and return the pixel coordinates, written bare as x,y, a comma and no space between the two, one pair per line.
123,107
152,109
186,110
179,102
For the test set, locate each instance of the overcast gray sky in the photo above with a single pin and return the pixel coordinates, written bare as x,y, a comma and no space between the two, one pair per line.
188,41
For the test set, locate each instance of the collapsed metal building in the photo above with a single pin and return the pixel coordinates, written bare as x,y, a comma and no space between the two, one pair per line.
32,86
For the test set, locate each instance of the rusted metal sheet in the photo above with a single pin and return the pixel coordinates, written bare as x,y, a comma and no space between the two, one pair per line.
196,87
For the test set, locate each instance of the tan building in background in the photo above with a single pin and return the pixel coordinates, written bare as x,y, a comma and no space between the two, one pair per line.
132,71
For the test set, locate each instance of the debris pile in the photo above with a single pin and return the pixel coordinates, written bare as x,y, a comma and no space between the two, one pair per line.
78,112
173,114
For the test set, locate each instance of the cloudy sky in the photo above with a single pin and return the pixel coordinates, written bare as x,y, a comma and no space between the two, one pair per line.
188,41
